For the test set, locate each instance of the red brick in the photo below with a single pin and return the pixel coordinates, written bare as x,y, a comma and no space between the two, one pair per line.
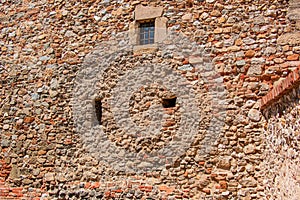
16,190
117,191
4,192
280,89
95,185
296,75
167,189
146,188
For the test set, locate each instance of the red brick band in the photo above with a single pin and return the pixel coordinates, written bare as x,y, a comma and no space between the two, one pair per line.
291,80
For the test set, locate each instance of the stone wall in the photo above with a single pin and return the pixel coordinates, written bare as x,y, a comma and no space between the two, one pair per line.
45,45
281,163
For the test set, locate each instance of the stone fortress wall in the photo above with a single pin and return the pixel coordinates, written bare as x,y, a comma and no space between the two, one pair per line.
251,45
282,161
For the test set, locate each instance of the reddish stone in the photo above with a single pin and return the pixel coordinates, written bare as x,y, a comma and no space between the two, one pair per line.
169,123
293,57
42,152
243,76
266,77
28,119
223,184
16,192
95,185
250,53
271,57
167,189
33,11
107,194
146,188
206,190
201,163
208,170
117,191
219,178
186,174
186,61
4,191
275,77
213,175
169,111
148,104
68,142
87,185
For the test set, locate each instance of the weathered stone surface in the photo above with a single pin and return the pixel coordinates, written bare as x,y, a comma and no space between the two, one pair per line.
216,13
249,149
147,12
249,182
254,70
5,143
49,177
225,163
243,48
293,57
254,115
187,17
15,172
289,38
6,126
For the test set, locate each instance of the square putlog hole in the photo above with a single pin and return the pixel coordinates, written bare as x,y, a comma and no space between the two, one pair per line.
169,102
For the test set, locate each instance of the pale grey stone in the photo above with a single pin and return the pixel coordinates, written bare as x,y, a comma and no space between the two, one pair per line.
254,70
254,115
240,63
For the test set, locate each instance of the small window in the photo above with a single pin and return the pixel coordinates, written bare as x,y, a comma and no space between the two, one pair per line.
147,31
169,102
98,109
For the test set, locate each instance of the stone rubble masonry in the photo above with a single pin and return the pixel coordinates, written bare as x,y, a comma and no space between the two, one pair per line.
292,80
253,46
281,168
293,14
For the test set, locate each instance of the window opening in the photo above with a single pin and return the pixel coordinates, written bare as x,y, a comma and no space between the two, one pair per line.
147,30
98,109
169,102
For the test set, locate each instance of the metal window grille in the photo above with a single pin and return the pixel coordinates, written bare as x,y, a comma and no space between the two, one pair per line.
147,33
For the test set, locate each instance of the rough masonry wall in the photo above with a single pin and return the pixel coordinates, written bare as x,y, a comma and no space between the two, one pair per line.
281,164
43,45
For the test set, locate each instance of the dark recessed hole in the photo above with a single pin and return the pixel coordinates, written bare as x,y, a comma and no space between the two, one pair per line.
169,102
98,109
